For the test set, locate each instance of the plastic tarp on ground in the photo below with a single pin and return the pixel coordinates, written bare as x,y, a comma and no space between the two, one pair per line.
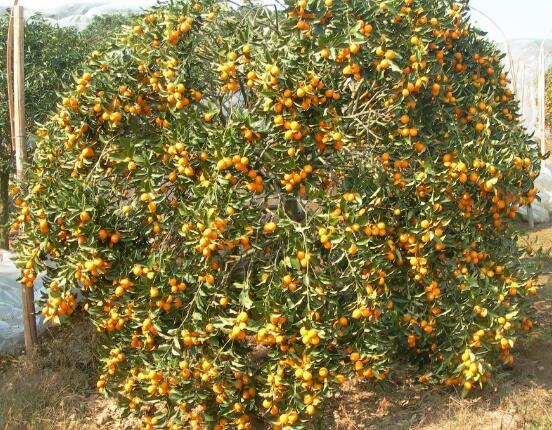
11,324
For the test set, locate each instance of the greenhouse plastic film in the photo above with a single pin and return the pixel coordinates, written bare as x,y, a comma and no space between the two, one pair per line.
11,320
523,63
78,13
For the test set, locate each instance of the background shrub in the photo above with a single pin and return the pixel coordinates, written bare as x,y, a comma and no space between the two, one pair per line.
53,55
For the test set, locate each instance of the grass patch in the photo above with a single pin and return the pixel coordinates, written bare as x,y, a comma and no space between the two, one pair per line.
51,388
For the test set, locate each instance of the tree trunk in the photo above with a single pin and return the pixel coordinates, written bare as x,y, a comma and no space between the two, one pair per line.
4,206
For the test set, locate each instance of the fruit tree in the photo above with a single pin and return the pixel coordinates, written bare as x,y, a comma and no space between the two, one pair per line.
259,203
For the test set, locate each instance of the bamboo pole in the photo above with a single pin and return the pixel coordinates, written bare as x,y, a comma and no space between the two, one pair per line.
9,63
530,216
19,91
27,294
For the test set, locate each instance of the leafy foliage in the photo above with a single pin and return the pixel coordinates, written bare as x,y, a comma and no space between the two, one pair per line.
96,33
258,204
51,55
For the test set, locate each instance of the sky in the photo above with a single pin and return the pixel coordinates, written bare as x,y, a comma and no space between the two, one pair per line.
518,19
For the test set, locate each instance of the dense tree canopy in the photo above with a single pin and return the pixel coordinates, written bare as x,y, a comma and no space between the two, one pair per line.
260,203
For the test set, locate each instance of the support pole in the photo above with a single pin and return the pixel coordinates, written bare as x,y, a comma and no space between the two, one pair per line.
19,91
530,216
27,294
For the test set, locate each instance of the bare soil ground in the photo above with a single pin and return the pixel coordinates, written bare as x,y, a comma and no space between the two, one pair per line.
55,390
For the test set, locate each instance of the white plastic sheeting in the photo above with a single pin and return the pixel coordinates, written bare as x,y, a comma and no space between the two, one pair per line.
523,64
79,12
11,323
527,60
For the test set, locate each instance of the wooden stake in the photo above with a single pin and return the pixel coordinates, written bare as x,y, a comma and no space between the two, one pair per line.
9,74
19,91
27,294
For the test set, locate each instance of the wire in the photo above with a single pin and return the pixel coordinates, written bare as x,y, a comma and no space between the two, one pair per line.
506,44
